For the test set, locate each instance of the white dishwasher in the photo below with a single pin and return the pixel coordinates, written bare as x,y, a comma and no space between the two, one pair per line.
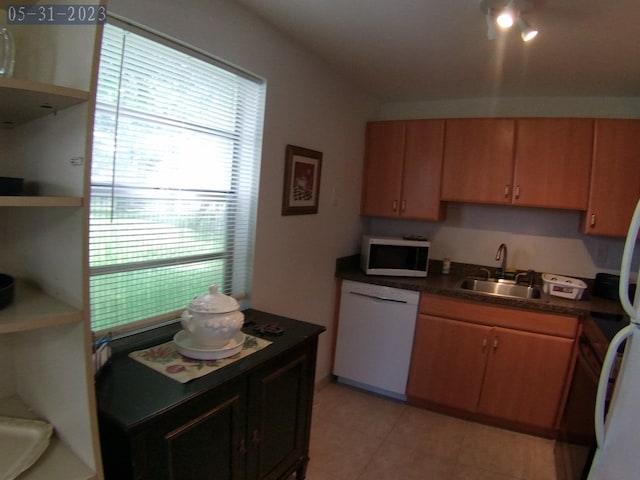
375,337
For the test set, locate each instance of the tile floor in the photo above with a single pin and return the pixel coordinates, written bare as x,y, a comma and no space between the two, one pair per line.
356,435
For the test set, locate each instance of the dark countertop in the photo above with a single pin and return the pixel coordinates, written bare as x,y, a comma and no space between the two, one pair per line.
436,283
130,393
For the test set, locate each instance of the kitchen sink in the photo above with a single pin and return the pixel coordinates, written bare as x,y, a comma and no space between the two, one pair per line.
499,287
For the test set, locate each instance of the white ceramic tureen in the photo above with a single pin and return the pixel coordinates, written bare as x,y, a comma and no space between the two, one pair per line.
212,319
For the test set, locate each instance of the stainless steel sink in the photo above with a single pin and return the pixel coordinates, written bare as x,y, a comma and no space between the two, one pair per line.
503,288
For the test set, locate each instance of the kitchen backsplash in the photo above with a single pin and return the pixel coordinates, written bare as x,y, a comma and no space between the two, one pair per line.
540,239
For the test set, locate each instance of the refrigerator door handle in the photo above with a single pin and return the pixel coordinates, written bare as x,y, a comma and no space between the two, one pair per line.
627,256
603,384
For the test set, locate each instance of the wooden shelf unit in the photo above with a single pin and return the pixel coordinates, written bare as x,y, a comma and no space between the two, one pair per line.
32,309
19,201
22,101
57,461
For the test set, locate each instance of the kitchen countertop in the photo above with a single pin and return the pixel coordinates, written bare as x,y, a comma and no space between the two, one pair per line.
348,269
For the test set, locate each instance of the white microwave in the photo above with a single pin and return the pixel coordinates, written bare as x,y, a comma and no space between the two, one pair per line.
397,256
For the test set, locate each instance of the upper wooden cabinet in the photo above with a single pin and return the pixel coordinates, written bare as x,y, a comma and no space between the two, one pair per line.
403,165
615,177
536,162
552,162
478,160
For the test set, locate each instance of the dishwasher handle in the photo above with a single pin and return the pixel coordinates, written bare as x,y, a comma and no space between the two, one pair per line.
377,297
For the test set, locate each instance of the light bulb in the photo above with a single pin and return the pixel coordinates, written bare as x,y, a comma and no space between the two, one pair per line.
506,16
526,31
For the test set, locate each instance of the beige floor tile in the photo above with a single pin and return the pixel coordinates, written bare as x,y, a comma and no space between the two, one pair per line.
360,436
499,451
354,409
429,432
544,460
394,462
338,452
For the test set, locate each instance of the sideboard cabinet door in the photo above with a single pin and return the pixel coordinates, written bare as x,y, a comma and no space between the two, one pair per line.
280,397
203,439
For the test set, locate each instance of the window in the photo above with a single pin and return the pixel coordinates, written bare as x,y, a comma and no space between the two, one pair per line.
174,179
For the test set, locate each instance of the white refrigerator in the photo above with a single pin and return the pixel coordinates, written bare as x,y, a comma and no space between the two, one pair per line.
617,456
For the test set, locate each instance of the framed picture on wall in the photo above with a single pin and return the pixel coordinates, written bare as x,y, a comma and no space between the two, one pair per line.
301,191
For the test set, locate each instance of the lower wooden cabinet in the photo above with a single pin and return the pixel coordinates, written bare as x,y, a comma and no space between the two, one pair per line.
485,362
525,377
248,420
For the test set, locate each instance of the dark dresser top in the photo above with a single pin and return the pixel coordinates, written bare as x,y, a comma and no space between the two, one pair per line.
130,393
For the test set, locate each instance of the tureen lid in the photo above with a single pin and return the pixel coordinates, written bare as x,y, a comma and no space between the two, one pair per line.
213,302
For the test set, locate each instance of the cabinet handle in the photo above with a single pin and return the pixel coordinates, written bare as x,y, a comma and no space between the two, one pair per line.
484,344
403,206
255,437
517,192
495,344
243,448
593,220
395,205
506,191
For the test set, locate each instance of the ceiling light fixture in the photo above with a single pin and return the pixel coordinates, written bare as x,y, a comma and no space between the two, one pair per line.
491,26
506,16
503,14
527,32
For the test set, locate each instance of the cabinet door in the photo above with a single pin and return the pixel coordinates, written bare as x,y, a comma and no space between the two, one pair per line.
448,362
553,162
422,170
525,377
615,177
478,160
382,180
280,402
203,440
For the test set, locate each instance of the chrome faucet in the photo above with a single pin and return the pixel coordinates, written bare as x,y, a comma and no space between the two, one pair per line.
502,254
531,276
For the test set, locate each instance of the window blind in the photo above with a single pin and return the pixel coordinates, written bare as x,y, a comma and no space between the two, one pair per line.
174,180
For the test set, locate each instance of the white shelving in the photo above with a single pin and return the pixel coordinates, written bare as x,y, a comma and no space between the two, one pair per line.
22,101
46,118
18,201
57,461
32,309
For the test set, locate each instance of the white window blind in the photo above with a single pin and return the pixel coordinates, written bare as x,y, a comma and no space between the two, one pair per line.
174,179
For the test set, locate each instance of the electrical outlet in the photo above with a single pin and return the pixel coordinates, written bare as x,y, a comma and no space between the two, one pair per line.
77,161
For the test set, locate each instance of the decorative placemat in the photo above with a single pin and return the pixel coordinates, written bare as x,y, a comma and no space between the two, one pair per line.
166,359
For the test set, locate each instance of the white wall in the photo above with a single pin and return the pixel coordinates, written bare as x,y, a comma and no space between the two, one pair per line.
545,240
308,106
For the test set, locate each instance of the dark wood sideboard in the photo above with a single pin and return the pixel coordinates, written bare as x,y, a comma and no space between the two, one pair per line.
249,420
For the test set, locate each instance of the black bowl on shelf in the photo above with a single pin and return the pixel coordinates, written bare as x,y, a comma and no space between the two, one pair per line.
7,286
11,185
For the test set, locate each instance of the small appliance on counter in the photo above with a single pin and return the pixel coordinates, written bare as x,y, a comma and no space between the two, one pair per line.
607,286
211,327
395,256
565,287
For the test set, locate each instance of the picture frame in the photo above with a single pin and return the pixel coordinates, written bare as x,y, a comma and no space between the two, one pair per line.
301,192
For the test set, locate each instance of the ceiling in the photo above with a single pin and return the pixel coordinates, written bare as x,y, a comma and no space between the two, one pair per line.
420,50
